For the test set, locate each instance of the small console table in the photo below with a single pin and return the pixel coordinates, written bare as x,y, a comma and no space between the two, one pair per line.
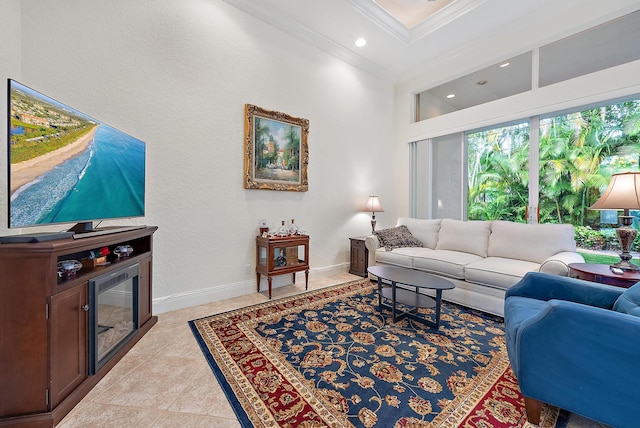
602,274
280,255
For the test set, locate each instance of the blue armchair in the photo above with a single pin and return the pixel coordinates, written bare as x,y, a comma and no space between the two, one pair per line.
575,345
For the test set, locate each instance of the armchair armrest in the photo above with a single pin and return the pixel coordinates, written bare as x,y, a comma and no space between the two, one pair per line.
558,264
594,351
544,286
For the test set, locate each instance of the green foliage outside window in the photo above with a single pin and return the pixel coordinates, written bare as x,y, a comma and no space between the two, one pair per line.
578,153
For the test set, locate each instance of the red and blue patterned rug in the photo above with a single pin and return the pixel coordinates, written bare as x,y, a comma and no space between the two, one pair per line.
331,358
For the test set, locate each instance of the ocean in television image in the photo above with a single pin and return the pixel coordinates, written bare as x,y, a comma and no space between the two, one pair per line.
66,167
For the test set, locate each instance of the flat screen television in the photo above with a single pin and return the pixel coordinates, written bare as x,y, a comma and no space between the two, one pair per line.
67,167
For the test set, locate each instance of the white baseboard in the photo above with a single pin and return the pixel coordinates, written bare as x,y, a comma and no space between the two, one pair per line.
225,291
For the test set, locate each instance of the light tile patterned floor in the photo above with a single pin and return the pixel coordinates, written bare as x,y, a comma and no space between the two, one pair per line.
164,381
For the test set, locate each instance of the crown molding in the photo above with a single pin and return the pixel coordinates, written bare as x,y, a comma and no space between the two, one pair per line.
379,16
291,26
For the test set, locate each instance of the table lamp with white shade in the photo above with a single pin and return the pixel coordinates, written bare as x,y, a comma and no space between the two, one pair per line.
623,193
373,206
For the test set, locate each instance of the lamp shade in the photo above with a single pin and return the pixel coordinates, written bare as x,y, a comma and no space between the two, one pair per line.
373,205
623,193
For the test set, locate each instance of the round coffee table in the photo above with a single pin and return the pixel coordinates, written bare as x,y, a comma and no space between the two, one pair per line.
410,278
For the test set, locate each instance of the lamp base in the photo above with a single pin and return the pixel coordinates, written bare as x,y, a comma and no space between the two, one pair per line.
626,235
625,265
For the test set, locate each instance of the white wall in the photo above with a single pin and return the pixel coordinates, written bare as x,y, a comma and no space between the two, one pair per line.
177,75
10,61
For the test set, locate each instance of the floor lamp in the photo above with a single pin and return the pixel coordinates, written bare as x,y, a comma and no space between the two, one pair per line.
623,193
373,206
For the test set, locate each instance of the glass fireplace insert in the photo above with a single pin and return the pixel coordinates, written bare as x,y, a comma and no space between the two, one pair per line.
113,313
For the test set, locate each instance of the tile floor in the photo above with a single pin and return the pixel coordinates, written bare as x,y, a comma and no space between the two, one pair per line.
164,381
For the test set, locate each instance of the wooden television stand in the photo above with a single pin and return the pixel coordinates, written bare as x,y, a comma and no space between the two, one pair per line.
44,345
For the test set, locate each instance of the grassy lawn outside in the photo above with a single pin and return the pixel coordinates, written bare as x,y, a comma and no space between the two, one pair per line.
604,259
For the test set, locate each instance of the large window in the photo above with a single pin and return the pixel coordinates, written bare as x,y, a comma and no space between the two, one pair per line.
573,159
578,153
498,173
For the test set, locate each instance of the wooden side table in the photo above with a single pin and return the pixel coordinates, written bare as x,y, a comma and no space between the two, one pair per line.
602,274
359,256
281,255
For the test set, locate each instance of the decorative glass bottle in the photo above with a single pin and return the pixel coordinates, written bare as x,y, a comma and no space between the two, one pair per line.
283,230
293,228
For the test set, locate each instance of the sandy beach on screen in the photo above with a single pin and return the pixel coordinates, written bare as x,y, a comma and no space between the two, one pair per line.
27,171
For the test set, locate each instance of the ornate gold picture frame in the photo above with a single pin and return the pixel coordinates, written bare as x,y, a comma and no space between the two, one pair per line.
276,152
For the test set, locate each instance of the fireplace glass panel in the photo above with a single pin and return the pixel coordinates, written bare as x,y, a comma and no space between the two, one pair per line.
114,313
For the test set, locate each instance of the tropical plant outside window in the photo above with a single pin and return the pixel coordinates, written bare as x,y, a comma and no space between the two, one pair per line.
578,153
498,173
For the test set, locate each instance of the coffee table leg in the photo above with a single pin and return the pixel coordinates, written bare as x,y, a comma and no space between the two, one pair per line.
393,301
438,304
380,293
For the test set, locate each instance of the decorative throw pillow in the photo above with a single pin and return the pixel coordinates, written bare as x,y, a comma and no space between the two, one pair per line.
397,237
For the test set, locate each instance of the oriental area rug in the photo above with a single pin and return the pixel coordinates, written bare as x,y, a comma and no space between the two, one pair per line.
330,358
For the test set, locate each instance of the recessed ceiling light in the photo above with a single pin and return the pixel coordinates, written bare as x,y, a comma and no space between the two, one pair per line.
361,42
503,65
451,96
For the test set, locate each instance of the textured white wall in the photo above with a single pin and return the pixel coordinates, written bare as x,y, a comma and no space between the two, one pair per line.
10,62
177,75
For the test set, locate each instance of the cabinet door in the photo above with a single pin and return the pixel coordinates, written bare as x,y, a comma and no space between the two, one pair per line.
67,342
144,292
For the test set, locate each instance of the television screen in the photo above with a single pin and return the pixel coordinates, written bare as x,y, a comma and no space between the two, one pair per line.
66,167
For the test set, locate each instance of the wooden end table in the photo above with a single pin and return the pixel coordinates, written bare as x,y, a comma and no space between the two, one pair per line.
276,255
359,256
602,274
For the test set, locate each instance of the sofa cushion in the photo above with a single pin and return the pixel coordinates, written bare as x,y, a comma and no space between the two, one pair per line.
424,230
399,256
498,271
397,237
466,236
531,242
443,262
629,301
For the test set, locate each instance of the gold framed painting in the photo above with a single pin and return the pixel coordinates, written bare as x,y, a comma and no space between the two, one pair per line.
276,151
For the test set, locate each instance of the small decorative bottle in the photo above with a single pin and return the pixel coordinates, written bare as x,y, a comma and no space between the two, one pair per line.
283,230
293,228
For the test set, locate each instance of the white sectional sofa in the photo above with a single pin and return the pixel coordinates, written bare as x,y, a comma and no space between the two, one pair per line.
482,258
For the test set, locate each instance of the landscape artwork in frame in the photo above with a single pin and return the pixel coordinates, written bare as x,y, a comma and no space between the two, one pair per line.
276,153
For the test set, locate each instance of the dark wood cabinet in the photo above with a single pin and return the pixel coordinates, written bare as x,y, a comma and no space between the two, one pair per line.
359,256
44,341
281,255
67,342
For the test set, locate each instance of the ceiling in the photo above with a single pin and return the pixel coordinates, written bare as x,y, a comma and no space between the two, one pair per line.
407,36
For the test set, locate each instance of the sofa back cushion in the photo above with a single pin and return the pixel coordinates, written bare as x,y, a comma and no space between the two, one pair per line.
425,230
530,242
466,236
629,301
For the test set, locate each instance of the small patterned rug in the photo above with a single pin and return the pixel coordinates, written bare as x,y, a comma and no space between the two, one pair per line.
331,358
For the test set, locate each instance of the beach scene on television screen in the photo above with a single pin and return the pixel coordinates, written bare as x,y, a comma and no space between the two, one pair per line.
67,167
